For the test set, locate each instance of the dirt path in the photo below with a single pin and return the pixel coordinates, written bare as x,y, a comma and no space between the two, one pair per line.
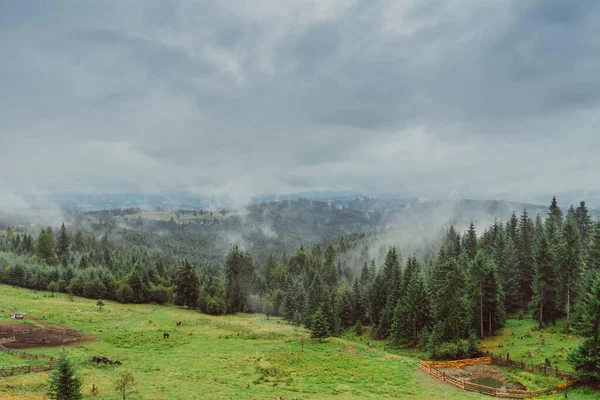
25,344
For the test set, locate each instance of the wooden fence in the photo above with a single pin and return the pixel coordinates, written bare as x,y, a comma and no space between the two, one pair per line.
430,367
543,368
51,363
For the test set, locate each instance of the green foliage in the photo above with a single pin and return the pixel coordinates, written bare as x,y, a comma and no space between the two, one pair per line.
187,286
45,248
586,358
124,383
64,382
238,279
53,287
212,298
319,327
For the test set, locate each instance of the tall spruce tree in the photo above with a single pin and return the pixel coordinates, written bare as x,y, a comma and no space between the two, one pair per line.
65,384
486,294
584,223
525,249
508,272
412,314
45,248
471,242
570,266
593,254
187,286
392,280
238,279
62,247
586,358
544,283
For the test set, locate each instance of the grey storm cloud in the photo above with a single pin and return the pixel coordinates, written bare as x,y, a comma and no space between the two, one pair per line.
429,98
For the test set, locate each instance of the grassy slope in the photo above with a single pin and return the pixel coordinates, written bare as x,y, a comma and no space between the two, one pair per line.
242,356
524,342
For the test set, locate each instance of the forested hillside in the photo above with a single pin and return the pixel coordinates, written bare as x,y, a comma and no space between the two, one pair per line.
457,290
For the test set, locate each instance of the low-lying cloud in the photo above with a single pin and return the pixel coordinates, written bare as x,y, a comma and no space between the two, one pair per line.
420,98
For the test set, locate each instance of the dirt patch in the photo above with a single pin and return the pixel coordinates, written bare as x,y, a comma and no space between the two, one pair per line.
21,336
349,350
482,371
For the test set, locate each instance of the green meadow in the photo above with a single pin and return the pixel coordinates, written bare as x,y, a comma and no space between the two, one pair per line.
245,356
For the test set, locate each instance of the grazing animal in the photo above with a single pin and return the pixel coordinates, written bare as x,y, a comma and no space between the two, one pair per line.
179,323
166,335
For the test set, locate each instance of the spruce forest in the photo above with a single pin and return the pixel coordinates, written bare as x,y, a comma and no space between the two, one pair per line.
545,266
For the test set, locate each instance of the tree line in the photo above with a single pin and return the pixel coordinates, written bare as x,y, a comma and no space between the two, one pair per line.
544,266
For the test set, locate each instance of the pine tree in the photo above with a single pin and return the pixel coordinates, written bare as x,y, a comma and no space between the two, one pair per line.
62,247
319,327
508,273
449,301
330,274
593,253
391,278
187,286
471,242
412,313
554,211
45,248
344,306
586,358
452,244
584,223
544,283
526,255
570,266
512,228
238,279
64,382
486,294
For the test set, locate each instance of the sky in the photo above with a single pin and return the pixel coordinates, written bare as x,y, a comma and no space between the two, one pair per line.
431,99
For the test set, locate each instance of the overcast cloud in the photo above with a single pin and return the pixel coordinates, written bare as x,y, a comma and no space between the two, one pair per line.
440,99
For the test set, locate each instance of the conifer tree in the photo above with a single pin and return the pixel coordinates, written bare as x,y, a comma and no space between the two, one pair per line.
554,211
187,286
344,306
584,223
412,313
512,228
486,294
593,255
508,273
570,266
391,277
45,248
471,242
238,279
65,384
62,247
544,283
526,255
586,358
319,327
452,246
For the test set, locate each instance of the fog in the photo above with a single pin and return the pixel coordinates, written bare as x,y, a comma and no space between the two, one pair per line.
431,99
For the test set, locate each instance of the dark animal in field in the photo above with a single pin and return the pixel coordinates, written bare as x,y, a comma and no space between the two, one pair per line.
104,360
179,323
166,335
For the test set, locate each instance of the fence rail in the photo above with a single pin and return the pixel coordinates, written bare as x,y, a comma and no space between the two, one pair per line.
430,367
27,369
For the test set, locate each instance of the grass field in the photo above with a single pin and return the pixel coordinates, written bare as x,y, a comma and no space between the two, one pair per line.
241,356
524,342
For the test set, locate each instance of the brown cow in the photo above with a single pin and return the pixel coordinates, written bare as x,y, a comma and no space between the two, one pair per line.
166,335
